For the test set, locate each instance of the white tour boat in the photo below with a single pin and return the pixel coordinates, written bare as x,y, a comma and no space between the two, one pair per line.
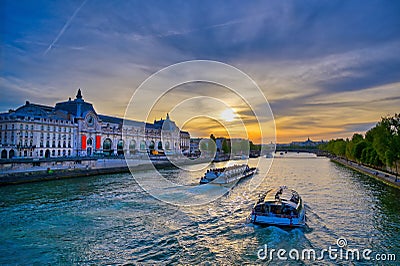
279,207
227,175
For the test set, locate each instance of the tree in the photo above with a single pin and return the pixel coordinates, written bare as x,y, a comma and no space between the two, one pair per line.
213,138
380,147
350,147
226,147
358,149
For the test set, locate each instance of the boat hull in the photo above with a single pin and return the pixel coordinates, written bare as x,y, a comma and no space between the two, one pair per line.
223,181
278,221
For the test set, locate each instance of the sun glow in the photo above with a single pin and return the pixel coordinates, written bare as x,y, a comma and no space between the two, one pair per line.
228,115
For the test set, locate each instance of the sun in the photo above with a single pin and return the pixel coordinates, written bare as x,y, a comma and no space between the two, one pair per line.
228,115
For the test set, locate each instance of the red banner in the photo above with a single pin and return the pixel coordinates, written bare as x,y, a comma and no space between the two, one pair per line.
83,142
98,142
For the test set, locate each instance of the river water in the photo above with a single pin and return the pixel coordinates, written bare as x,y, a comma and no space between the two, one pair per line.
110,220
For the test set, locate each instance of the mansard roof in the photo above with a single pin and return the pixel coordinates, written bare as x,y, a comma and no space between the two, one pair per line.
33,110
77,107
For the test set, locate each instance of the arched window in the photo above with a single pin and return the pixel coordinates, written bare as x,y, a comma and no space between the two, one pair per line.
120,147
159,146
89,142
107,144
142,145
151,146
167,145
11,154
132,146
3,154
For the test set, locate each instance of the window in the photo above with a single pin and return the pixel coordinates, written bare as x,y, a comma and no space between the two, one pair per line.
132,146
21,126
41,153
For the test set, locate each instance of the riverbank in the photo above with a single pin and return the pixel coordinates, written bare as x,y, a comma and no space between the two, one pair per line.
384,177
88,168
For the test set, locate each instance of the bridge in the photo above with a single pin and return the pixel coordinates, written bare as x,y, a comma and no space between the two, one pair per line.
314,150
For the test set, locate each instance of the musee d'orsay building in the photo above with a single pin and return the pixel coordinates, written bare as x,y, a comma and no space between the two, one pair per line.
73,128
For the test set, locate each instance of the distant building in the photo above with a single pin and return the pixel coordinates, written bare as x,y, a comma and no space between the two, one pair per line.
73,128
219,142
307,143
195,145
185,142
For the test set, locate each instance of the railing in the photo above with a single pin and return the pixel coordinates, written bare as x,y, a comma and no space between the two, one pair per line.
276,215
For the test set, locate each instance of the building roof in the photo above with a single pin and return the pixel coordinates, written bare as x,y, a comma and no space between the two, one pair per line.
78,107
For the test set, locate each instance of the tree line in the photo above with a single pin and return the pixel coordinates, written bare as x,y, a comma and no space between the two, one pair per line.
379,148
234,146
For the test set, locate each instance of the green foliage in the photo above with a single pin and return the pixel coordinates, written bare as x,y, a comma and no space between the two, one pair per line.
358,149
254,147
226,147
380,147
208,146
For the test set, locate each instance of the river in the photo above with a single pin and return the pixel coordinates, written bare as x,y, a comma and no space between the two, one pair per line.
110,219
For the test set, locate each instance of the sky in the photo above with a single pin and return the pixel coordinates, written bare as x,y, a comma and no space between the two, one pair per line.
327,68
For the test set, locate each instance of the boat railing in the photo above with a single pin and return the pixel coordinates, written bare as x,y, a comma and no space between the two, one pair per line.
276,215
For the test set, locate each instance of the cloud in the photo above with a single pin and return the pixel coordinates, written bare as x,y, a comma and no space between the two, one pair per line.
322,65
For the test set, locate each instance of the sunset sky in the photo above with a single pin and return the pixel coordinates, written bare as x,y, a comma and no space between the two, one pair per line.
327,68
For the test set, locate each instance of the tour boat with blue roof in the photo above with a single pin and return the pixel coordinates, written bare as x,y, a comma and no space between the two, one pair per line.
279,207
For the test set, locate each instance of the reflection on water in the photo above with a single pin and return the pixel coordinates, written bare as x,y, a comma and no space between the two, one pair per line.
110,219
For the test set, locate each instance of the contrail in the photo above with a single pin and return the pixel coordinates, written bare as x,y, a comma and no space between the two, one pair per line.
64,28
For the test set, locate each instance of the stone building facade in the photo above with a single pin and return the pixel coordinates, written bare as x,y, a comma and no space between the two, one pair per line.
73,128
